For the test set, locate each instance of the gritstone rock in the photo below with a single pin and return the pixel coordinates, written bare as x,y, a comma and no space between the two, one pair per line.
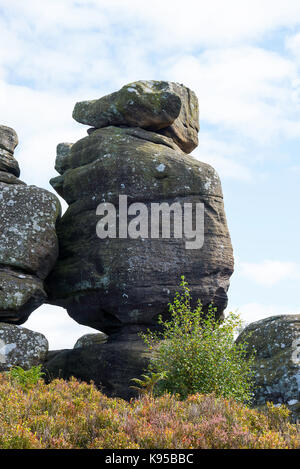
167,107
112,283
21,347
277,361
28,241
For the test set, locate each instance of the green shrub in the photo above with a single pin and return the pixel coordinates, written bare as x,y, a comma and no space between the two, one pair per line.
199,353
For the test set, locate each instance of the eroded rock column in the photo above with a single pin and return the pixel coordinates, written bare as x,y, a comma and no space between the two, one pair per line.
112,283
28,241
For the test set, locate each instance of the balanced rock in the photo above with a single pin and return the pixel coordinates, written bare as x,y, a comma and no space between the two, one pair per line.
162,106
21,347
277,360
115,282
28,246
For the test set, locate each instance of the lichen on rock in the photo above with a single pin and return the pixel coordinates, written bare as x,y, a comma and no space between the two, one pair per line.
21,347
276,341
28,241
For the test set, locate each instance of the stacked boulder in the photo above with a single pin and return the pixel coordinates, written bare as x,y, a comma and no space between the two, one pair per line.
28,241
137,147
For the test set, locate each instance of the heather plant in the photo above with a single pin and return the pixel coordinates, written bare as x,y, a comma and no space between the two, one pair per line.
70,414
198,353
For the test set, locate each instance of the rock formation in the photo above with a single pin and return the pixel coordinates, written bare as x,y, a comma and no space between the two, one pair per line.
168,108
89,340
28,241
136,153
136,149
110,365
21,347
277,361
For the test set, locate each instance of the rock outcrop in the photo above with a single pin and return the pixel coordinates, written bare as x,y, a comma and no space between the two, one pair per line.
21,347
89,340
110,365
28,241
113,283
162,106
277,362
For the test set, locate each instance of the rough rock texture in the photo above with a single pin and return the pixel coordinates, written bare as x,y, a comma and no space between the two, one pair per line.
8,143
184,130
8,163
114,282
162,106
62,151
277,364
88,340
20,294
146,104
110,365
21,347
8,138
28,245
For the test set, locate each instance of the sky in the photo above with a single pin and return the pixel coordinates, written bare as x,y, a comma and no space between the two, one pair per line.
242,58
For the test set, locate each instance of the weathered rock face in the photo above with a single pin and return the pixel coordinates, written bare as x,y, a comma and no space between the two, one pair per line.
62,151
277,363
8,139
146,104
28,243
8,143
111,365
21,347
162,106
89,340
112,283
184,130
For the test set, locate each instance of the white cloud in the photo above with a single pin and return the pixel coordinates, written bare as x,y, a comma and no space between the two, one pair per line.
202,22
41,119
293,45
225,157
245,89
268,272
252,312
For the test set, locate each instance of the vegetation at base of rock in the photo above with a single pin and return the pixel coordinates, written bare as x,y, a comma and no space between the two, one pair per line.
25,378
76,415
198,353
148,382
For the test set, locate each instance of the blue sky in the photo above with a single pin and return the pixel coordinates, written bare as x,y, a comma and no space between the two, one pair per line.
242,58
